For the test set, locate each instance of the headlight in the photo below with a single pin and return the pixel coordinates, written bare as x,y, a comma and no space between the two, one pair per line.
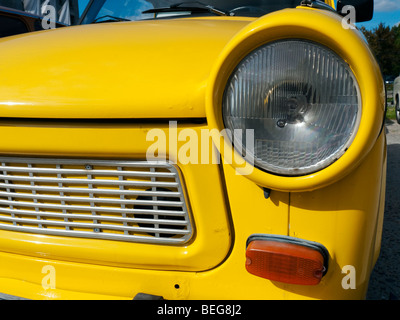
302,101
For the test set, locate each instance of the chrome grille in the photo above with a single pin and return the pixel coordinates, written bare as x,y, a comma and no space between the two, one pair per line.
136,201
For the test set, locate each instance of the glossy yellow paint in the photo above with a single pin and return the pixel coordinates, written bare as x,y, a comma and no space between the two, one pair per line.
126,269
345,218
118,70
305,23
345,225
209,245
331,3
340,207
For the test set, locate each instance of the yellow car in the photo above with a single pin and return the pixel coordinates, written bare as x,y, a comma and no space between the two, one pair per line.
219,150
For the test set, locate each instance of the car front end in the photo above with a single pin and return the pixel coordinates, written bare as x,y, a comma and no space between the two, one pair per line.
201,157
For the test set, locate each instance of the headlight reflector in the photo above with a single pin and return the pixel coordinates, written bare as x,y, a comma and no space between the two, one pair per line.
302,101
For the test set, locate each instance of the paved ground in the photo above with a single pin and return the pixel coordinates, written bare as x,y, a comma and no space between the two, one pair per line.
385,280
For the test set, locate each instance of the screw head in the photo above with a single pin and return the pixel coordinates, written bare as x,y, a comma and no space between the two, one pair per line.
281,123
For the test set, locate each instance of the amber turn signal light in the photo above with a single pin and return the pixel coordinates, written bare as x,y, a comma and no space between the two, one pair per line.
286,259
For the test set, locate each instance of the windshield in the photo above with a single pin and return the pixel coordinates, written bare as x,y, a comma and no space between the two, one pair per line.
117,10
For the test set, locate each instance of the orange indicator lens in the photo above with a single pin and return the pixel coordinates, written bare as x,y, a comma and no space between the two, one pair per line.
285,262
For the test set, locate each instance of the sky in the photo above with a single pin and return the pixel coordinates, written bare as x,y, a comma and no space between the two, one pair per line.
386,11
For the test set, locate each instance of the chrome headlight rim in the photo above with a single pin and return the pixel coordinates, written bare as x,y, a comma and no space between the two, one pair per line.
275,169
302,23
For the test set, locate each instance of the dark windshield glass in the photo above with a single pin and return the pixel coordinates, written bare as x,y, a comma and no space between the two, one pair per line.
107,10
11,26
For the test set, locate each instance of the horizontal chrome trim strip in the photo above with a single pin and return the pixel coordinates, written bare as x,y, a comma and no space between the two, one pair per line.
90,181
90,172
92,200
103,163
86,208
93,235
91,217
91,190
98,226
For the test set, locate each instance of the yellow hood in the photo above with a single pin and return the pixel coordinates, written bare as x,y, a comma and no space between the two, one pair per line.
145,69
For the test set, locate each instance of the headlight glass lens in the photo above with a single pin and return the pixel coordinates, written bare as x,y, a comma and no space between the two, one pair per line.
302,101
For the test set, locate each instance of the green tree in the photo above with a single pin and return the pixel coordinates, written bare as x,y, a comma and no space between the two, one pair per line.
385,44
396,67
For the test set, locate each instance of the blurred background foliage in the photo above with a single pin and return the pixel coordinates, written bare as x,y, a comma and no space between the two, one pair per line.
385,44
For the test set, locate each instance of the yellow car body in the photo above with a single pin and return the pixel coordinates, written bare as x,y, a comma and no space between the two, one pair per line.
96,91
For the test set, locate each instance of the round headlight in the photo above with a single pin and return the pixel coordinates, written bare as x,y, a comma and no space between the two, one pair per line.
301,102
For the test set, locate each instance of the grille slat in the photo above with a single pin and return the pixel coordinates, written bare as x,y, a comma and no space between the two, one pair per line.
92,172
92,235
91,225
90,217
95,191
136,201
37,197
82,208
90,181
